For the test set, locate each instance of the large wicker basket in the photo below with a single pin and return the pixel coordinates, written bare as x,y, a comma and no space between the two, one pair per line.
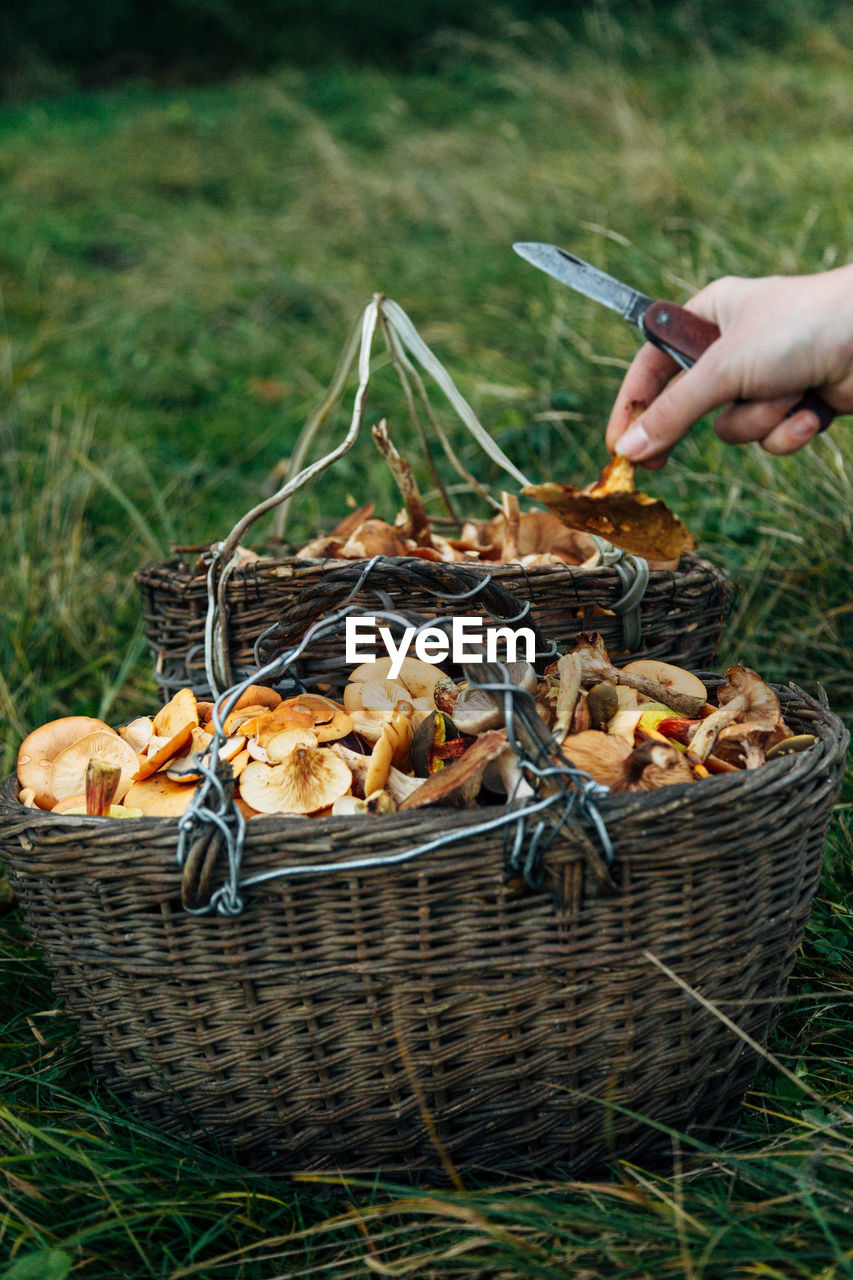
398,1018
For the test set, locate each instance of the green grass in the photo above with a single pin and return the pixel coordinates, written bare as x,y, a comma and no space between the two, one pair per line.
164,254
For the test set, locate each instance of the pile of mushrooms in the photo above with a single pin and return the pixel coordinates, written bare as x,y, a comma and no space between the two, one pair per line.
419,739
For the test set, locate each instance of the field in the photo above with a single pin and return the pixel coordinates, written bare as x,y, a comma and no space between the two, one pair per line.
179,271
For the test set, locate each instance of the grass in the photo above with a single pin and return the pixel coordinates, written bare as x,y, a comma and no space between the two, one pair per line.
179,271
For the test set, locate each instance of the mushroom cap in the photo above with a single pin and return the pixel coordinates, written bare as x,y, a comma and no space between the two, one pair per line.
762,703
373,538
459,782
160,752
668,676
41,747
371,704
137,732
601,755
258,695
159,797
657,764
418,678
280,745
181,710
475,709
68,771
308,779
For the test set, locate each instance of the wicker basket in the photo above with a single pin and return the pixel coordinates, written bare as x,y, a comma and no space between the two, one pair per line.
678,618
681,613
399,1018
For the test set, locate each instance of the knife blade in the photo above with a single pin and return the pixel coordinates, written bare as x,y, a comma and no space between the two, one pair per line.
680,333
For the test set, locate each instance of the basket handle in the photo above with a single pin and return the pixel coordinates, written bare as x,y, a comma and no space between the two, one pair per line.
401,336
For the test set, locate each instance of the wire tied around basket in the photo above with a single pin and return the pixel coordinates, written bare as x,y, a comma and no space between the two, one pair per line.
212,825
407,350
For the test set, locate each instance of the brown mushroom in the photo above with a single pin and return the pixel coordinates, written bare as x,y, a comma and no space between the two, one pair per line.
459,783
68,771
41,747
181,710
655,764
744,696
159,755
674,680
596,666
159,797
309,778
601,755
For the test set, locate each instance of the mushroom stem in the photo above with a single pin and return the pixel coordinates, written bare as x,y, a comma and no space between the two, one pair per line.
569,671
596,666
706,733
102,781
398,785
406,483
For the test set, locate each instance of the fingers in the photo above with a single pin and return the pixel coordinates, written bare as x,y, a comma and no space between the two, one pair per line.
684,401
648,374
792,433
740,423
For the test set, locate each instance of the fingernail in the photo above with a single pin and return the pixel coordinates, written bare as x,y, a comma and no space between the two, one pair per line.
634,443
805,425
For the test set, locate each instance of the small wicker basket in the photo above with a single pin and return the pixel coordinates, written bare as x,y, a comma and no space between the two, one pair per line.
408,1017
204,616
681,613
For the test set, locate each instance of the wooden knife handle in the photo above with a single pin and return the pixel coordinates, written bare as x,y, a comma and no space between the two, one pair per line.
685,336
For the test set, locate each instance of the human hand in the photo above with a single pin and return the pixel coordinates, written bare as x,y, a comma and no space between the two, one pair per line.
779,335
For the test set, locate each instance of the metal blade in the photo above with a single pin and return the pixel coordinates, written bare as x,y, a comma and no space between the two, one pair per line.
587,280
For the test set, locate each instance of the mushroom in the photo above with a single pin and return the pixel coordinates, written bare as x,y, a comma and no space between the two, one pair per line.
376,802
181,710
418,678
655,764
68,771
331,721
398,785
391,747
601,755
371,703
41,747
746,740
27,797
137,732
159,797
596,666
279,747
102,780
159,755
256,695
743,695
477,710
372,538
307,779
675,680
459,783
185,768
569,672
624,721
602,704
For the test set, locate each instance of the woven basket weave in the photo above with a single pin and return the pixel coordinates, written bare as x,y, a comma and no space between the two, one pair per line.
363,1020
682,611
